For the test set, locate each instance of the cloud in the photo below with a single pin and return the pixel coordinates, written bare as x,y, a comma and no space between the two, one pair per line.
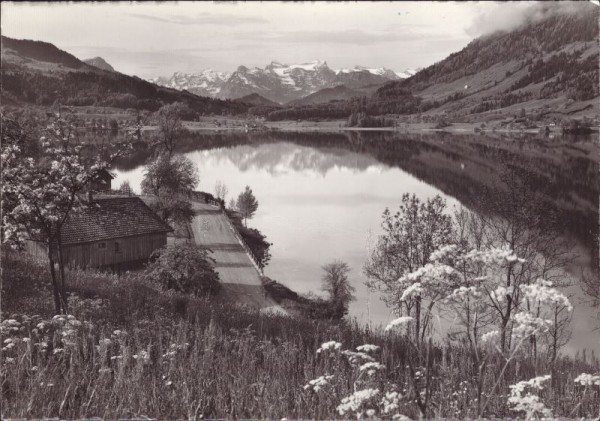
355,37
202,19
510,16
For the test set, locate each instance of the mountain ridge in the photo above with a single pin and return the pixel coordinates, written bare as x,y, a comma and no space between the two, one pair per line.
39,73
279,82
544,70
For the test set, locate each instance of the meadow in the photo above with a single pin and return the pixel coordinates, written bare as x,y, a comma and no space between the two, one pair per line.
128,349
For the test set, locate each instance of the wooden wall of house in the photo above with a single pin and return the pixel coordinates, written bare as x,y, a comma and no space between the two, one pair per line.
37,249
114,252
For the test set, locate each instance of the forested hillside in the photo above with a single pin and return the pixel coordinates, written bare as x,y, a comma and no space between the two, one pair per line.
38,73
556,58
547,67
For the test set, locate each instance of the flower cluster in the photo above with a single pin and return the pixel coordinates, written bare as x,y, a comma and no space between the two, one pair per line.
368,397
142,356
585,379
372,367
528,325
398,322
173,350
367,348
542,292
67,326
318,383
329,346
528,403
358,401
356,358
494,256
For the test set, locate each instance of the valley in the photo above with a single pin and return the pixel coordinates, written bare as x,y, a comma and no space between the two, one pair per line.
300,210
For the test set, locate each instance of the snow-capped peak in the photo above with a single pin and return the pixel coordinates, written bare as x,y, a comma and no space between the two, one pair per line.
277,81
380,71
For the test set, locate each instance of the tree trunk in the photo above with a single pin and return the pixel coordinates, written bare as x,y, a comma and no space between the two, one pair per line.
506,317
61,266
418,319
55,288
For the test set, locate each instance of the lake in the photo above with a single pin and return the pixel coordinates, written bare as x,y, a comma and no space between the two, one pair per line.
321,196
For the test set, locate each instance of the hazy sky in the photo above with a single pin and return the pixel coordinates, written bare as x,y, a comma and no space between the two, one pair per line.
159,38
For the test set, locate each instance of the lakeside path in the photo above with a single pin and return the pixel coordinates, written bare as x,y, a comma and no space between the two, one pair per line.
240,278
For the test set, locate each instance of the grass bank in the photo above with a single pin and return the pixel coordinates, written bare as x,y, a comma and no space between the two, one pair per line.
131,350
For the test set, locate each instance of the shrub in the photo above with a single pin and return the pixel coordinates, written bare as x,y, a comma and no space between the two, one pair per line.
184,268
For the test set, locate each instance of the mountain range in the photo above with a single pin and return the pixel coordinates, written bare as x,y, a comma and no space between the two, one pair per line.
547,67
281,83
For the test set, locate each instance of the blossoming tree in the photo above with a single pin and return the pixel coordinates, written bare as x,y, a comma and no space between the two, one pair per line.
39,193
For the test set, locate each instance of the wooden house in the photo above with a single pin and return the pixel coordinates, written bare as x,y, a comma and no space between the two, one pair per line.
116,233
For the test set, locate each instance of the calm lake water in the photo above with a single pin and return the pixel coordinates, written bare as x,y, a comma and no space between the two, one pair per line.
321,196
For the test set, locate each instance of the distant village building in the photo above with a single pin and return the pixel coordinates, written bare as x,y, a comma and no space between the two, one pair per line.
117,233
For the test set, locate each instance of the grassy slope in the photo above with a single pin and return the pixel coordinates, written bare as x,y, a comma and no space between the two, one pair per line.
205,359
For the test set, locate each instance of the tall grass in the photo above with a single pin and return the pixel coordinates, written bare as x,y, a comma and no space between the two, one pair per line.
129,350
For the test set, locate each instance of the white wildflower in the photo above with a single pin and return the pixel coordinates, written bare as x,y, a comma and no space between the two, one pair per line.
371,367
415,289
357,357
318,383
528,325
355,401
530,404
398,322
367,348
444,252
490,336
331,345
585,379
543,293
142,356
390,402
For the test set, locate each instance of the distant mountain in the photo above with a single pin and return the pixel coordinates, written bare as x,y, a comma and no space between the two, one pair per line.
279,82
100,63
256,99
544,70
206,83
380,71
337,93
547,63
35,72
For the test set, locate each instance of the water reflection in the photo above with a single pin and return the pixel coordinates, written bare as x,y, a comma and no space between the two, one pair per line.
321,195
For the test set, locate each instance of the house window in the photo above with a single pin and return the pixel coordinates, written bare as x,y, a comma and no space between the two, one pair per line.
117,249
102,245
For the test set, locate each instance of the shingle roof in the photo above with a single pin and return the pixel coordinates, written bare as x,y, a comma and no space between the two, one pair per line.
114,217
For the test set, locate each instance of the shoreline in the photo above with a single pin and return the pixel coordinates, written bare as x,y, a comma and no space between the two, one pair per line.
232,125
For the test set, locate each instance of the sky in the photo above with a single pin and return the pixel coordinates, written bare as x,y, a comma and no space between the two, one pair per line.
157,39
